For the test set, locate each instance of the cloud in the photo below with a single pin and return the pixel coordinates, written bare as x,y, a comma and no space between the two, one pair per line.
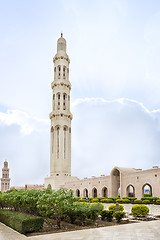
24,141
120,132
27,123
105,133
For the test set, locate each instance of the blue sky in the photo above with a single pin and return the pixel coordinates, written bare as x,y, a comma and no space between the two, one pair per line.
114,47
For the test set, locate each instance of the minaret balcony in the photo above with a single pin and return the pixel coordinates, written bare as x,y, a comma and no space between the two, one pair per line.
60,82
58,113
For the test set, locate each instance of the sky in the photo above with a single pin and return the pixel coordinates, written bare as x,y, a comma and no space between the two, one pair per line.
114,48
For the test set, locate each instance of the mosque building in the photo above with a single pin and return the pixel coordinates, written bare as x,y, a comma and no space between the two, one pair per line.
121,181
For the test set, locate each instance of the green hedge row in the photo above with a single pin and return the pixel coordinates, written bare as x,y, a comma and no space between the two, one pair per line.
21,222
125,200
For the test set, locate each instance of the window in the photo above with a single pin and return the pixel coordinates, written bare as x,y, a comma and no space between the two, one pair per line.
59,96
59,71
64,72
64,101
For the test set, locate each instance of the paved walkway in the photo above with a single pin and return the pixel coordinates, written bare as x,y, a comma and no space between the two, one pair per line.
135,231
7,233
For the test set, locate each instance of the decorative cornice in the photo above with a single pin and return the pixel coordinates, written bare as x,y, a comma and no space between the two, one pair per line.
61,57
54,84
60,114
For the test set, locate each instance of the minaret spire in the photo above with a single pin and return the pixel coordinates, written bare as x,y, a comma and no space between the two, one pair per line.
5,180
60,143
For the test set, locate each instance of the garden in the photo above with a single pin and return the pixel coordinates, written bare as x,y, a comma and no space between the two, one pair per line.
29,211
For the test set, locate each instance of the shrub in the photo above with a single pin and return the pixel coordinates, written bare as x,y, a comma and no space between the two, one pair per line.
139,210
83,213
123,201
146,201
158,201
107,215
137,201
113,207
119,215
21,222
98,206
82,200
107,200
95,200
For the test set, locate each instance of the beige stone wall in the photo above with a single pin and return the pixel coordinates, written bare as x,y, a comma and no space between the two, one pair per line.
119,178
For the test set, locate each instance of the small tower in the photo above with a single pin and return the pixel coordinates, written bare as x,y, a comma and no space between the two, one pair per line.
60,131
5,180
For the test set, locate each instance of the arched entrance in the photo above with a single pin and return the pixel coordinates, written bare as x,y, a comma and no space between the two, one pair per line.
94,192
115,182
104,192
147,190
77,193
130,191
85,193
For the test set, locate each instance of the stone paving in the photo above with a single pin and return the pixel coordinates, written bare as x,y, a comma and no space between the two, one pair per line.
135,231
7,233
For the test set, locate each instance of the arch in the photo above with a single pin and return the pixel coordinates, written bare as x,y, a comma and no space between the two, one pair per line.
58,139
77,193
49,186
147,190
65,128
104,192
52,138
85,192
115,182
94,192
130,191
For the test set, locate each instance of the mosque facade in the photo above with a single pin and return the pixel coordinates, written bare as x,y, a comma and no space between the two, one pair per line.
123,182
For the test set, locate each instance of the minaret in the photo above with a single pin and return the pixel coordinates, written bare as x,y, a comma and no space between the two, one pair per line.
5,180
60,131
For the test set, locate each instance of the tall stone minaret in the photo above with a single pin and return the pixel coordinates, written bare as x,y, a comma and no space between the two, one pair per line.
5,180
60,131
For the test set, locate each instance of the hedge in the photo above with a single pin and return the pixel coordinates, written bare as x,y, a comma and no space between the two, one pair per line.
151,199
123,201
106,200
21,222
137,201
